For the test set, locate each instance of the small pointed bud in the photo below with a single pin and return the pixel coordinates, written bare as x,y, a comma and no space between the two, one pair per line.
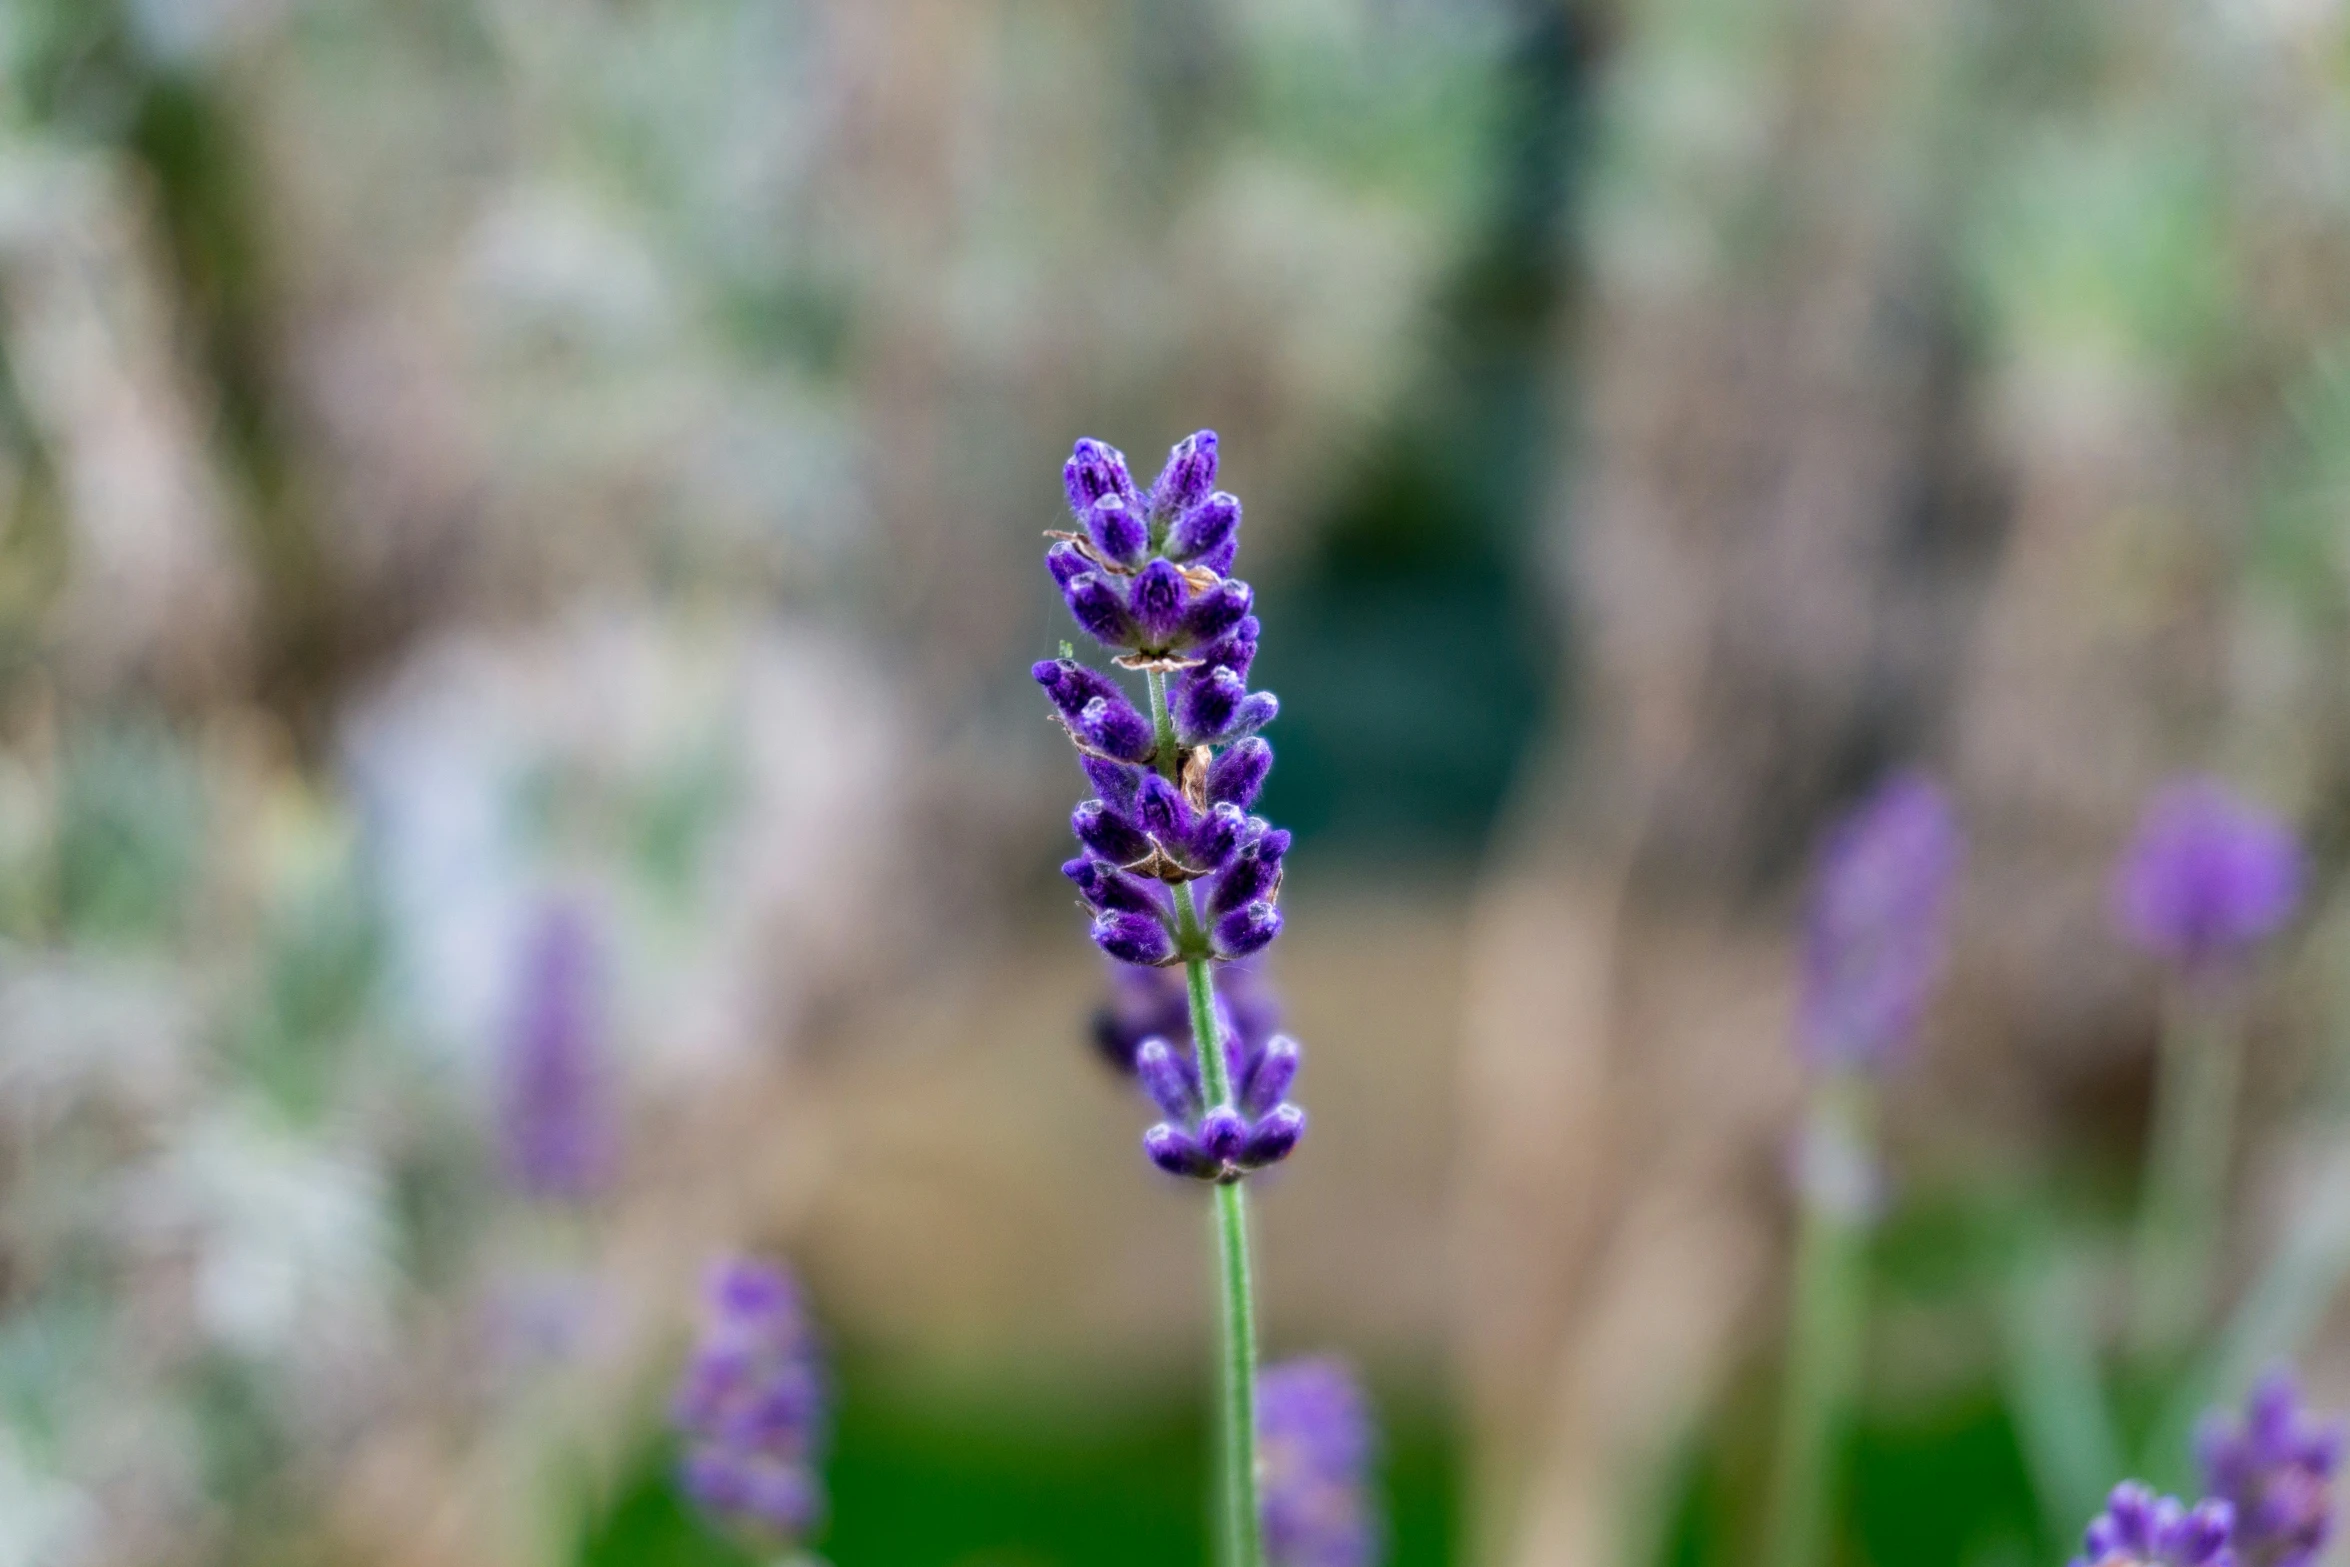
1272,1138
1111,890
1235,650
1098,608
1188,477
1156,603
1204,701
1222,1133
1164,1081
1108,833
1275,1071
1250,928
1215,839
1066,562
1211,614
1133,938
1118,783
1175,1151
1117,530
1237,775
1071,685
1210,525
1164,813
1095,469
1116,727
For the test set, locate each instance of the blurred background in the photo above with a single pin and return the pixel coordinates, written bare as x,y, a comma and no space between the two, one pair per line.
516,510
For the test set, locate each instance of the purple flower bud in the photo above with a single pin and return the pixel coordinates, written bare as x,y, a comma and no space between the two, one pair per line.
1209,615
1156,601
1116,729
1164,813
1210,525
1215,838
1273,1138
1215,707
2207,877
1072,686
750,1406
1315,1448
555,1115
1248,929
1254,875
1067,563
1098,608
1133,938
1221,1134
1174,1091
1235,650
1111,890
1109,834
1177,1152
2140,1529
1095,469
1880,903
1148,1003
1188,477
1118,783
2276,1469
1269,1083
1117,530
1237,775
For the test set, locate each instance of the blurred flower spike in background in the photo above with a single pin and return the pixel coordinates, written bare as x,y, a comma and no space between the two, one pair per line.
2141,1529
2207,876
2275,1467
751,1407
1875,940
556,1114
1319,1445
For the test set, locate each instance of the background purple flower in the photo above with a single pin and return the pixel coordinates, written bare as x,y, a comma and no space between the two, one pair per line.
2276,1467
1874,943
2207,876
751,1405
2141,1529
555,1114
1317,1444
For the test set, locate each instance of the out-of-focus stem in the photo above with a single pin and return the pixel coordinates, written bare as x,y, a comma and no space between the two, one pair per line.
2050,1362
1240,1539
2185,1186
1825,1320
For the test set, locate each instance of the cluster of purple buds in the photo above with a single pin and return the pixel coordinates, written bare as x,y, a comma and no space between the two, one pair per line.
555,1116
1145,577
751,1406
2140,1529
1145,1032
2207,876
1316,1445
2275,1469
1878,924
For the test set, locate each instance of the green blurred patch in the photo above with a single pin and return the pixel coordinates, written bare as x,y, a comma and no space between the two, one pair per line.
1003,1481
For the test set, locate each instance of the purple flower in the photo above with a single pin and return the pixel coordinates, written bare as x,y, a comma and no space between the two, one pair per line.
555,1117
1316,1445
751,1405
2276,1468
1873,947
2140,1529
2207,877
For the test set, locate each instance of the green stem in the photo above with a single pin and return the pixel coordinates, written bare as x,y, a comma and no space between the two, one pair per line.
1240,1540
2186,1169
1824,1323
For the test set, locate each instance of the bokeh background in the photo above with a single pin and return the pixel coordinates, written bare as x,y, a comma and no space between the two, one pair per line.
472,467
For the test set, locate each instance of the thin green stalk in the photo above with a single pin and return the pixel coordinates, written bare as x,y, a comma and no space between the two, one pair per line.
2186,1168
1240,1541
1824,1324
2050,1366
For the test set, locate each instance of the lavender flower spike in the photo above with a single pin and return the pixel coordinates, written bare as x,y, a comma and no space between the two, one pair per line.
2276,1467
555,1117
1318,1446
2140,1529
1874,946
2207,877
751,1407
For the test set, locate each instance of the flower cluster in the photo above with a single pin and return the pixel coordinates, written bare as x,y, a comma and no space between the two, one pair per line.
1171,795
2207,877
751,1406
1873,947
555,1115
1317,1445
1171,803
2140,1529
2276,1469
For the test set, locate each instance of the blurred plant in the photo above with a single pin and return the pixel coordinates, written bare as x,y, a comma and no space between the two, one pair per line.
1146,577
555,1117
1318,1444
1873,952
2207,877
751,1407
2141,1529
2275,1468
